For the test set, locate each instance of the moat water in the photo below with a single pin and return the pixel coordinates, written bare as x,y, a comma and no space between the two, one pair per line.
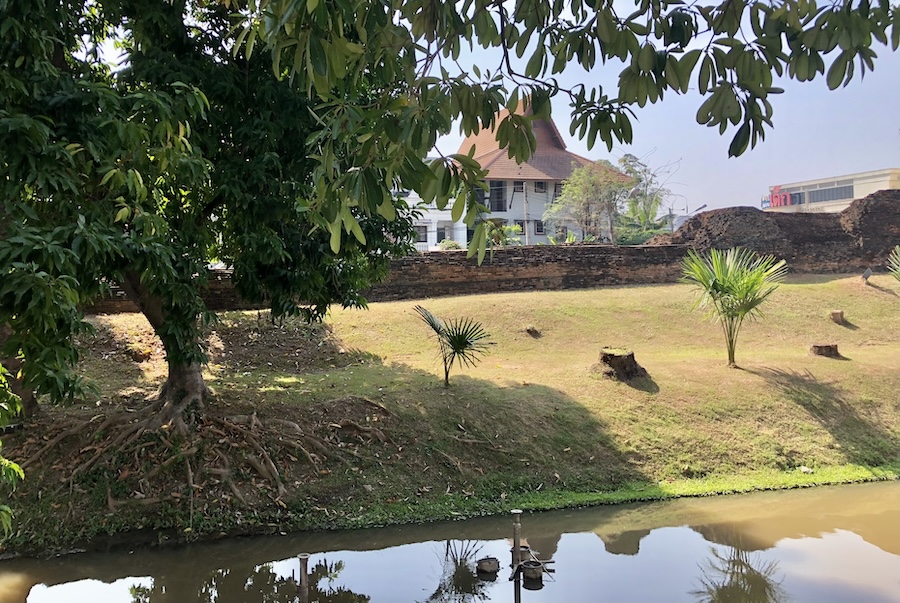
836,544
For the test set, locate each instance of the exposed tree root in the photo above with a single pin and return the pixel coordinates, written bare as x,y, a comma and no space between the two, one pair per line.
141,456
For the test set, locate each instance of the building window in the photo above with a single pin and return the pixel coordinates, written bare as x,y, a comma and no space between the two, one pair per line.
441,233
421,234
831,194
538,227
498,195
518,186
540,187
521,225
557,190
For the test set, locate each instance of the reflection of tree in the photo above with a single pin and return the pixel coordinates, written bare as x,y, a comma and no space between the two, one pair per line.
258,585
737,577
459,583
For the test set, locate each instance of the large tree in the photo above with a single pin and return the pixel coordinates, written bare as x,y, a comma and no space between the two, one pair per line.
141,176
640,220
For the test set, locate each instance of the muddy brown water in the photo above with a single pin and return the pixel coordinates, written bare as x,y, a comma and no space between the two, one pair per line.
836,544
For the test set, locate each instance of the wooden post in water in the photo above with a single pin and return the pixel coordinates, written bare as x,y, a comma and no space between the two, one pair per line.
517,537
304,577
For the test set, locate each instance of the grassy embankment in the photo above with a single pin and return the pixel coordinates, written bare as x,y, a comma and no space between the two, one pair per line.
531,426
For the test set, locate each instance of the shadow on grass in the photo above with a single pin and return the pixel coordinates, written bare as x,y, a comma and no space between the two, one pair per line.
118,359
644,384
882,289
862,440
849,325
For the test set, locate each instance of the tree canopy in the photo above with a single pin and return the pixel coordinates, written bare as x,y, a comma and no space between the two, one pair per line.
412,56
141,176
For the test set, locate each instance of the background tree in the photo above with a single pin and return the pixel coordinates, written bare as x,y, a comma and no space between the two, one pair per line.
500,234
732,284
640,221
10,472
591,199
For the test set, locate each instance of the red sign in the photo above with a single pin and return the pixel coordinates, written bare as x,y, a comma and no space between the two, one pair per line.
779,199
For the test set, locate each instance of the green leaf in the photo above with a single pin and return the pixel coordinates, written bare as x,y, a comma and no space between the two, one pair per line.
386,210
317,55
837,71
740,141
335,239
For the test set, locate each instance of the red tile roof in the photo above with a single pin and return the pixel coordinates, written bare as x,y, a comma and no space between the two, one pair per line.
551,160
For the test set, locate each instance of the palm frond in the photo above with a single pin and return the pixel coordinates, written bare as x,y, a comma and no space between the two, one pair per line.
431,320
894,262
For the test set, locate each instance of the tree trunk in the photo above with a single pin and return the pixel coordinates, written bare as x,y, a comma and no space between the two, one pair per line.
182,395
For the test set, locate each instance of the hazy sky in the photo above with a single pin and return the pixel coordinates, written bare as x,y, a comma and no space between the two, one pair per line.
817,134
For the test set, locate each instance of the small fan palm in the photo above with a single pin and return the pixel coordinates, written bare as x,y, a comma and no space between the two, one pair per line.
462,340
734,283
894,263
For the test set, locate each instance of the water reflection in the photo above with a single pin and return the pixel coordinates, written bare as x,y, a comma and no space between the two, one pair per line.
459,581
828,544
262,585
739,576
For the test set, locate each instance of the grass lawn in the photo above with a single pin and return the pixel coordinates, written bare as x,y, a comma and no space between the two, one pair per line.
532,425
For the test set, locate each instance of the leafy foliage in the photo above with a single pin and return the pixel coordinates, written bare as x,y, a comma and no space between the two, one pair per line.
733,284
410,55
140,176
500,234
591,200
448,244
461,340
10,472
894,262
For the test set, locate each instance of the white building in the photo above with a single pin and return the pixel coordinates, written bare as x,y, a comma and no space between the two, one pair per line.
829,195
517,193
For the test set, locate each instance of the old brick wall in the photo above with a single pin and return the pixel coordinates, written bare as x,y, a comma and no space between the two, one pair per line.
533,268
860,237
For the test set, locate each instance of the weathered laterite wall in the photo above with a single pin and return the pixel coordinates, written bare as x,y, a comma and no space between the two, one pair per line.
860,237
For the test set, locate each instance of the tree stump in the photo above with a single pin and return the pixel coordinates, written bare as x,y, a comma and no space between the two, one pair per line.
837,316
618,364
829,350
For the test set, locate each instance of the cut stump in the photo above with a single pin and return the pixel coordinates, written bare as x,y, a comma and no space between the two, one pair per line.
829,350
837,316
618,364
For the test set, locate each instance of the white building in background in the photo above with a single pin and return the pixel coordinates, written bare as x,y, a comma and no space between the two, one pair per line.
517,193
829,195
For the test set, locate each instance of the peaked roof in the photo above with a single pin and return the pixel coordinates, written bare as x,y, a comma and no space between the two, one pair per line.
551,160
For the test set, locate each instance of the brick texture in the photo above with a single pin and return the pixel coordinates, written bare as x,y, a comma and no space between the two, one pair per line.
860,237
